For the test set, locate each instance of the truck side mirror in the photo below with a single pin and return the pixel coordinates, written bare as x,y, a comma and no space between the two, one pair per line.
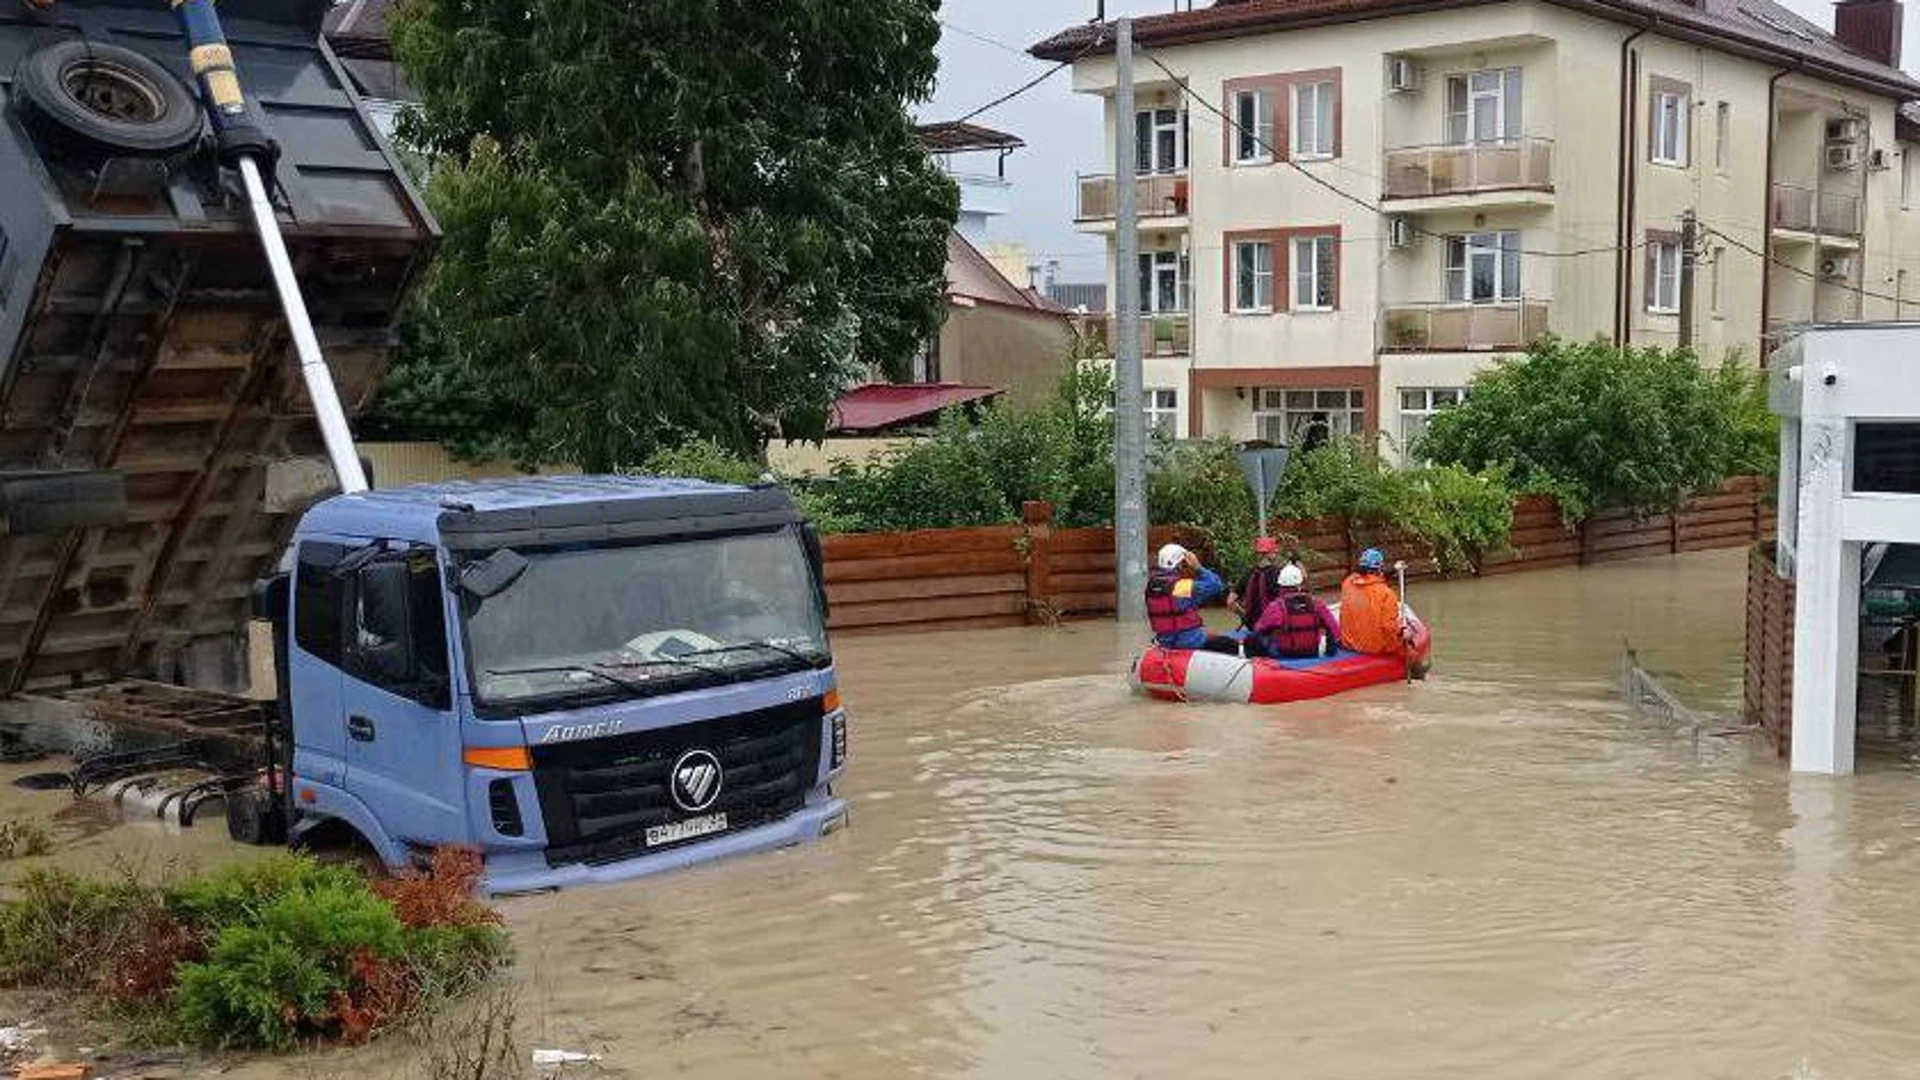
383,634
816,559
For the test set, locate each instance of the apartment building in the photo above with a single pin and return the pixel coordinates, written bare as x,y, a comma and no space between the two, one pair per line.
1348,207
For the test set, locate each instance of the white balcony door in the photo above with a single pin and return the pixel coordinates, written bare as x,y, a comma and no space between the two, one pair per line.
1160,140
1484,106
1163,281
1483,268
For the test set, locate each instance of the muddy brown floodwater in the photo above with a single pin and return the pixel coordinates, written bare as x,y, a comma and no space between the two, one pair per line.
1499,873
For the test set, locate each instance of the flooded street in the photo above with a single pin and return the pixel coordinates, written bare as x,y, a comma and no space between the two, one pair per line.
1499,873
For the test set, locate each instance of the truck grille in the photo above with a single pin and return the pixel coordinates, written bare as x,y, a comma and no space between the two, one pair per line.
599,797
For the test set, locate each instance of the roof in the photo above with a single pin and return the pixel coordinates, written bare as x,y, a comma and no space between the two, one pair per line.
414,511
1759,28
880,406
953,136
973,275
358,28
1906,122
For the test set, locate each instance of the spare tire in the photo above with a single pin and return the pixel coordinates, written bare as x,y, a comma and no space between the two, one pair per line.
108,100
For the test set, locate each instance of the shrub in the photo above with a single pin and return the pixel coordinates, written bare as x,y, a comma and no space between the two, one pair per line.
1599,426
61,931
703,459
1199,484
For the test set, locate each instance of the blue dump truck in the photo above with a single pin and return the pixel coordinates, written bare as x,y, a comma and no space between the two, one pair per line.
203,252
586,678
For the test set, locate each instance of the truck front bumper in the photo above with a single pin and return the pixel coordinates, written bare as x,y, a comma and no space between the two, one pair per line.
526,872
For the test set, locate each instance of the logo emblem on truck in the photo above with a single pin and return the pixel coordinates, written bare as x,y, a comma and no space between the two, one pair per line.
696,781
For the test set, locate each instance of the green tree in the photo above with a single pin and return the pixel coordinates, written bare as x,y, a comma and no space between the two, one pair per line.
666,220
1598,426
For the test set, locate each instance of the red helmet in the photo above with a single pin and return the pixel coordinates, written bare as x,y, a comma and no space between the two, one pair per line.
1266,545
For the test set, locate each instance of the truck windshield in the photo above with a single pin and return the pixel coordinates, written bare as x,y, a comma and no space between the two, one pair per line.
646,618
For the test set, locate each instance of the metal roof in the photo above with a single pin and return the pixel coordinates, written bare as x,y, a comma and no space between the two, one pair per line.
879,406
953,136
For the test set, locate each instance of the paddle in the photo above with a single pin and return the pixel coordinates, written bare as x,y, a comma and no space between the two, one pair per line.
1406,653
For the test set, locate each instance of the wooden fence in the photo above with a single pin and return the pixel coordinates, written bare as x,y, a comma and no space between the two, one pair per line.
1769,660
1006,575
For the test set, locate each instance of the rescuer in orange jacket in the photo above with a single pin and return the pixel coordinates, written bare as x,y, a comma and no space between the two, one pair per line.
1370,619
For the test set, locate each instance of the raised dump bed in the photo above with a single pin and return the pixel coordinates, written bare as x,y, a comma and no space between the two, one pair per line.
155,437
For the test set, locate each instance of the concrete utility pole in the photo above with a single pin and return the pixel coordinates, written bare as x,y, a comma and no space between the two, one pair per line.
1689,236
1129,417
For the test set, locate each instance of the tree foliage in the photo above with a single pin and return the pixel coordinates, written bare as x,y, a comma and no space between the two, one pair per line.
1598,426
665,220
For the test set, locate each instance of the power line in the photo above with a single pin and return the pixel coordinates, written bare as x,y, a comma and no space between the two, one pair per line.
1803,272
985,40
1186,90
1030,83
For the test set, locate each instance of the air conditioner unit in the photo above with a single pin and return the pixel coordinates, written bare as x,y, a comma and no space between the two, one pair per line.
1843,155
1878,159
1400,232
1845,129
1837,266
1402,75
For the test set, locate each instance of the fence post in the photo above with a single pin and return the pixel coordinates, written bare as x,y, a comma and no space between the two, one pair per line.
1037,518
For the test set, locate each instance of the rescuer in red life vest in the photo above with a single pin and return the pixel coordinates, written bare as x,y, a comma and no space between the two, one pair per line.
1261,584
1294,620
1176,591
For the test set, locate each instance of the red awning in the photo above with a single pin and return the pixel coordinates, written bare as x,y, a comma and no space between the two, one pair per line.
879,407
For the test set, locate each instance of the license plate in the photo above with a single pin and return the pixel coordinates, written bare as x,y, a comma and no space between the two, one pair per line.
686,830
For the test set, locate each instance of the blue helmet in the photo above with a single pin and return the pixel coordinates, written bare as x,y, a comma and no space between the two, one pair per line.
1372,559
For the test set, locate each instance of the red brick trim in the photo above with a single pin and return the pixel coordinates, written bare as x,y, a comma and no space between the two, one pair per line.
1282,241
1351,377
1279,87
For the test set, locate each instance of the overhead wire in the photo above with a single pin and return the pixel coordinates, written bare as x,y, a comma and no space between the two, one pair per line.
1030,83
1861,290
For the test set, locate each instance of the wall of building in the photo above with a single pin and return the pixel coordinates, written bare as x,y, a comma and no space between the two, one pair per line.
1022,351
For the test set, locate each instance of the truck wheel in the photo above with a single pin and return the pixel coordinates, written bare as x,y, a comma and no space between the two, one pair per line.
108,99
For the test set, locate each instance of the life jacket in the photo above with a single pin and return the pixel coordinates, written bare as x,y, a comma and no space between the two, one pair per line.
1299,632
1261,586
1370,615
1169,609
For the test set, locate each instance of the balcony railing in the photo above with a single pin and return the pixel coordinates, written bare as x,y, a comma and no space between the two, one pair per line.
1157,195
1162,333
1829,213
1419,172
1507,324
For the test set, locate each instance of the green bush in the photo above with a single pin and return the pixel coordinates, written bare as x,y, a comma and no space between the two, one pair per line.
1199,484
61,931
1598,426
703,459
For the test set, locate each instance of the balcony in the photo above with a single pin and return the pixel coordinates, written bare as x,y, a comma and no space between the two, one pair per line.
1160,197
1507,324
1162,333
1509,172
1808,214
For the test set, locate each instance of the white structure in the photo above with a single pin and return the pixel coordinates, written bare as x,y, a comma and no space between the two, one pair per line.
976,158
1848,401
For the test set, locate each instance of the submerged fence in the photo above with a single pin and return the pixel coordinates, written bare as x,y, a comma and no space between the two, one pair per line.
1032,572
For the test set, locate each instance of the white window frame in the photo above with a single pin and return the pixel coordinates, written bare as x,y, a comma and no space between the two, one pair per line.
1665,294
1668,128
1324,98
1502,86
1153,265
1153,123
1162,406
1429,404
1288,412
1501,247
1257,276
1253,127
1310,277
1722,136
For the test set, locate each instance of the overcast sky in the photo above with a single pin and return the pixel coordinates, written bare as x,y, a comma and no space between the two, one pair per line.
1061,127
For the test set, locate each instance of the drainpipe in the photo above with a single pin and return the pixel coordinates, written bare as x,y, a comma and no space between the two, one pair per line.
1766,238
1623,193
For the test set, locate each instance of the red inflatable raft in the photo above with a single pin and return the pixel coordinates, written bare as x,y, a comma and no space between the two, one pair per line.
1191,675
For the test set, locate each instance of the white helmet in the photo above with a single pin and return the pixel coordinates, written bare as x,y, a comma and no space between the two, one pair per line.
1171,556
1292,577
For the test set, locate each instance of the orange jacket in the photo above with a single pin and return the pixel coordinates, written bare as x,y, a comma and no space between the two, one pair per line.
1370,615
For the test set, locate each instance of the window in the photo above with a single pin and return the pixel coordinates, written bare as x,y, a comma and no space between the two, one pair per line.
1483,267
1663,277
1722,128
416,667
1669,128
1160,140
1163,412
319,601
1312,132
1483,106
1715,273
1417,408
1253,127
1163,281
1252,276
1315,272
1304,419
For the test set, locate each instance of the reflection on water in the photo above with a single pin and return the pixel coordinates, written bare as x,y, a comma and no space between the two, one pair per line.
1499,873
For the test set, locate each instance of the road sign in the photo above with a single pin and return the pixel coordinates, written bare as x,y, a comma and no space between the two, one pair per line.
1264,467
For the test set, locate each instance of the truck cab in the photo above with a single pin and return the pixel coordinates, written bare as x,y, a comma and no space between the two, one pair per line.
583,678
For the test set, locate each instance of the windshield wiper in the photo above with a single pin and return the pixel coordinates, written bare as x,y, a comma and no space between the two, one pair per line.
575,669
794,654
